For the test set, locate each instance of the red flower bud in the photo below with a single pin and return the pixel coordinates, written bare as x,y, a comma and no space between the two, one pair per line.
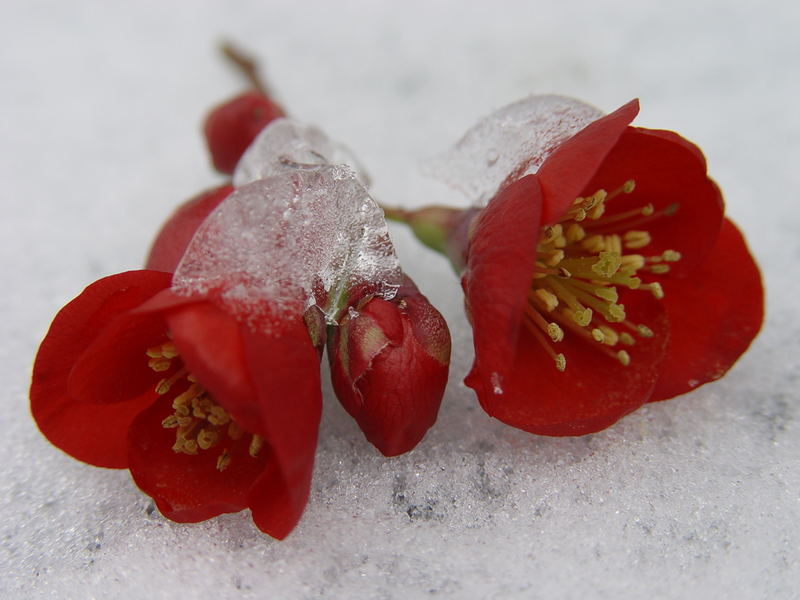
231,127
389,363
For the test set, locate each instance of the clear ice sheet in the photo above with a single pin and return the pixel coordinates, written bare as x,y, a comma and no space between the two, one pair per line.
522,134
299,238
285,144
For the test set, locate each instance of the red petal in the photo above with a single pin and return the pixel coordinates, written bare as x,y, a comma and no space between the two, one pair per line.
189,488
667,170
174,237
714,315
394,412
287,381
565,173
114,367
270,385
594,391
91,433
211,346
500,264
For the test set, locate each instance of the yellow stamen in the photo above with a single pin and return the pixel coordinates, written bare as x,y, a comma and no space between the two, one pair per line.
223,461
611,337
159,364
545,298
255,445
580,267
636,239
199,422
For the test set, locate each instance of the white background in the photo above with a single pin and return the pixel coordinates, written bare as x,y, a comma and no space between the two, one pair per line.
100,112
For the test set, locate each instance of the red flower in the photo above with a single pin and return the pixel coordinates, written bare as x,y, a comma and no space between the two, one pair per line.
232,126
174,237
607,278
206,384
175,389
389,363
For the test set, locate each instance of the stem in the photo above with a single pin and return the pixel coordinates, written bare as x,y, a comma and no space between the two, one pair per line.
246,65
398,215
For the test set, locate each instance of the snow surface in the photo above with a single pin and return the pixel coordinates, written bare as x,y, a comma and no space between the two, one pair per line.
698,497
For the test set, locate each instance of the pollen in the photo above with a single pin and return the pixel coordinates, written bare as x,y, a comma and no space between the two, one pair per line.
583,263
199,422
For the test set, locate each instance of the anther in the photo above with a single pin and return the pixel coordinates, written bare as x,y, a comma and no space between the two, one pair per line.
598,335
546,298
552,258
624,357
610,337
655,289
593,243
555,332
626,338
561,362
596,212
634,261
607,264
635,239
582,317
207,438
659,269
614,243
644,331
223,460
574,233
165,384
551,232
159,364
671,256
255,445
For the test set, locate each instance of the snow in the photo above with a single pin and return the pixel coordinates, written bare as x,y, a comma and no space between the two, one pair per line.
696,497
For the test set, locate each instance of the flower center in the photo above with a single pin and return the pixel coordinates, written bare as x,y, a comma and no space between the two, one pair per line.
199,422
581,262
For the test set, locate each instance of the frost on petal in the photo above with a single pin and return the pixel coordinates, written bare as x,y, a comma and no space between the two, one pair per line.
286,144
279,245
514,140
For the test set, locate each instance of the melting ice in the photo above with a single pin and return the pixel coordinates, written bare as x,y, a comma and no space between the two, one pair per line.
518,137
294,239
286,144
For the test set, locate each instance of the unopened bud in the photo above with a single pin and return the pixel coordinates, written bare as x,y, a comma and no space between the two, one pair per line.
389,363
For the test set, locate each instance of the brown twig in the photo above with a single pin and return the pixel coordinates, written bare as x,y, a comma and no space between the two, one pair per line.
246,65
